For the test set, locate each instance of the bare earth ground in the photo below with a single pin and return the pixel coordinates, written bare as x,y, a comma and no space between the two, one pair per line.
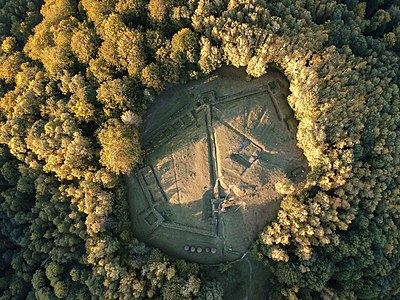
214,150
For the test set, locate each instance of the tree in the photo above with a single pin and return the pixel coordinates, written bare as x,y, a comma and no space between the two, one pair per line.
84,43
184,46
152,77
10,65
60,289
284,187
120,147
117,96
158,10
76,75
210,56
122,47
130,8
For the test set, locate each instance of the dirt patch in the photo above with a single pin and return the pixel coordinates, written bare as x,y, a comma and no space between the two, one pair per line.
214,150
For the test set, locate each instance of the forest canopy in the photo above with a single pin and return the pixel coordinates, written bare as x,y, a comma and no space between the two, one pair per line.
76,76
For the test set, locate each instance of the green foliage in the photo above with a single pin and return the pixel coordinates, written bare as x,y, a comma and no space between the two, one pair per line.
60,289
75,77
122,47
117,96
84,43
158,10
285,187
184,46
19,17
152,77
224,268
211,290
10,65
120,147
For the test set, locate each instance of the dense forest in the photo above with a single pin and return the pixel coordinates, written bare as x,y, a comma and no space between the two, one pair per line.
76,76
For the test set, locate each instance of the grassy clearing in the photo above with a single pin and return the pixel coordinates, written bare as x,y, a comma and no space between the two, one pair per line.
243,280
214,150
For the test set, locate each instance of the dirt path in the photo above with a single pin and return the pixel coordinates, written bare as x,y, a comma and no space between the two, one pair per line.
250,277
176,179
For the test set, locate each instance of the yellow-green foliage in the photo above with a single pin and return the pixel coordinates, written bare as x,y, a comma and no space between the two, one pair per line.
75,76
120,147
